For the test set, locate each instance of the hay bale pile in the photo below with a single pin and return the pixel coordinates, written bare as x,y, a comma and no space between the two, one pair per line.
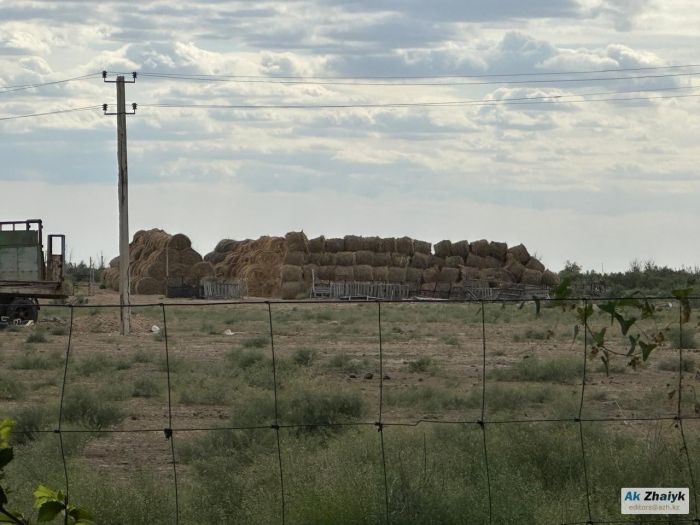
155,256
285,266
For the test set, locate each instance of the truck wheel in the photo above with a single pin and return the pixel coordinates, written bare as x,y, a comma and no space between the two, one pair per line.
23,310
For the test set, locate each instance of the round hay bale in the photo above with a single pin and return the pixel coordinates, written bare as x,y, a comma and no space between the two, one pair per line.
344,273
225,246
335,245
414,275
404,246
514,267
382,259
187,256
534,264
492,262
310,271
296,258
448,275
317,258
372,244
423,247
353,243
480,248
400,260
179,241
295,290
114,263
396,274
443,249
431,275
550,278
498,250
520,253
297,242
364,257
388,244
326,273
437,261
460,249
532,277
489,274
364,273
468,273
317,244
381,273
475,261
149,286
214,257
454,261
289,273
200,271
345,259
328,259
420,260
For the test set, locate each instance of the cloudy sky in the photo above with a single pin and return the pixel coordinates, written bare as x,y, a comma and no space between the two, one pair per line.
600,182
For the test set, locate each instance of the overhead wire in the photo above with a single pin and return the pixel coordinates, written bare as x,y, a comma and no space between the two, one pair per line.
540,99
22,87
418,77
272,80
55,112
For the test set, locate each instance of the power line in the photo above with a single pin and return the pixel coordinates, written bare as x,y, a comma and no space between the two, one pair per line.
272,80
546,99
85,108
418,77
10,89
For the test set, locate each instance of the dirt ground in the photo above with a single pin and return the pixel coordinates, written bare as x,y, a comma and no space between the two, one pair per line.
432,366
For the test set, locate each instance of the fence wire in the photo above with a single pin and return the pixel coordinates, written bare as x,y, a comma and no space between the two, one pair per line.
482,423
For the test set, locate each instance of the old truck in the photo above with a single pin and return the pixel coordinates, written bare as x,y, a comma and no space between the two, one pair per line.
27,274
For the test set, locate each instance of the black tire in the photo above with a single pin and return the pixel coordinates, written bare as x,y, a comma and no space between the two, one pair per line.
23,310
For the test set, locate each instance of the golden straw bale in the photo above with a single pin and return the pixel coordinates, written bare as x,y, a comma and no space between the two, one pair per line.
520,253
381,273
364,273
443,249
297,242
480,248
396,274
460,248
335,245
364,257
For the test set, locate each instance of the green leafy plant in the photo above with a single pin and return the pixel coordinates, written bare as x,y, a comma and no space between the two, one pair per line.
50,504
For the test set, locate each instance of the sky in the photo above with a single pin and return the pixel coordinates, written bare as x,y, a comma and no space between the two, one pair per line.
598,182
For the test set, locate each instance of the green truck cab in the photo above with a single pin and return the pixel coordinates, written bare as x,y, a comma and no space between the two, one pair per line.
27,274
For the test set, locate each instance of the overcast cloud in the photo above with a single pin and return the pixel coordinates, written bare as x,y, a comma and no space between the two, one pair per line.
600,182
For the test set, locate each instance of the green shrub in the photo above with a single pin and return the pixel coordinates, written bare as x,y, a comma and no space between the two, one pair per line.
256,342
422,364
36,336
11,389
689,342
348,364
671,364
94,364
33,360
30,420
304,356
90,410
244,358
146,387
557,370
58,330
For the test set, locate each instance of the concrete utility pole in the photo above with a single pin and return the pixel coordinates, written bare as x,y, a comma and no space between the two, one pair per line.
124,270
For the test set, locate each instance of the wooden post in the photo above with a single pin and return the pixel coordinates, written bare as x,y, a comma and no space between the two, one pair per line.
124,284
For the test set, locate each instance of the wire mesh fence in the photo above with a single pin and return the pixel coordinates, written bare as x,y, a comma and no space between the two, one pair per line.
381,332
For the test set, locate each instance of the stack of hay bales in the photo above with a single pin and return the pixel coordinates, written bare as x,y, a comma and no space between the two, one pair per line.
155,256
257,261
286,266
